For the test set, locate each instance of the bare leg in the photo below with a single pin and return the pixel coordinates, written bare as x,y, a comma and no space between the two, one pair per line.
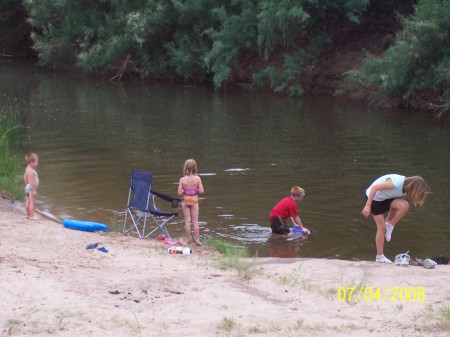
27,207
187,221
399,207
381,229
194,213
30,202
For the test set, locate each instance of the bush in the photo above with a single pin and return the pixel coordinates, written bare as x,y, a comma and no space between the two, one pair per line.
418,60
10,139
219,40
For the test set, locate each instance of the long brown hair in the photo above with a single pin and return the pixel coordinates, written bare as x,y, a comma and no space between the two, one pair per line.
416,188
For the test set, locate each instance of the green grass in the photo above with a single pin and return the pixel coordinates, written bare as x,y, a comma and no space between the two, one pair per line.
444,317
232,258
115,226
11,135
439,316
225,248
227,323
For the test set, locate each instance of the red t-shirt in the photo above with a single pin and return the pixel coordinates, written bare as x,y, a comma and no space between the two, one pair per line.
284,209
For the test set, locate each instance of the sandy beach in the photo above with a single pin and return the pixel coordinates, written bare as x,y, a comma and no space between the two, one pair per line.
52,286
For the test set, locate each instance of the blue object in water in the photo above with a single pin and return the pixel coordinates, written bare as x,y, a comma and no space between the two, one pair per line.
297,230
83,225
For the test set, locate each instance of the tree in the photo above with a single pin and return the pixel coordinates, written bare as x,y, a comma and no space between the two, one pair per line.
418,61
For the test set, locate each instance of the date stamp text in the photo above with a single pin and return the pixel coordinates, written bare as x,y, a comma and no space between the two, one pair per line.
392,294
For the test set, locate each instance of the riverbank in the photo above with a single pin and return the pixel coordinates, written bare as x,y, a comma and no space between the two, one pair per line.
52,286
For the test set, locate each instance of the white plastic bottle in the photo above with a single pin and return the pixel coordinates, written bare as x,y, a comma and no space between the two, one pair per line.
179,250
187,251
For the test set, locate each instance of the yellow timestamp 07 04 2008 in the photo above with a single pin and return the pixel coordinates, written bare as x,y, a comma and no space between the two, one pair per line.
369,294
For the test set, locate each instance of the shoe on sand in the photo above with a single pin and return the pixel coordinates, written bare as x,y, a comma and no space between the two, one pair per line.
382,259
429,264
389,229
402,259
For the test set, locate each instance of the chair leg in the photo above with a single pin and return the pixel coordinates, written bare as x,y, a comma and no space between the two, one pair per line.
134,226
160,226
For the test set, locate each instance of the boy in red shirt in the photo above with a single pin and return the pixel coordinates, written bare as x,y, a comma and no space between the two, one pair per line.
287,209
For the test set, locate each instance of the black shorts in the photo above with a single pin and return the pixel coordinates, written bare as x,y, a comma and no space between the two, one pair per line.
279,226
381,207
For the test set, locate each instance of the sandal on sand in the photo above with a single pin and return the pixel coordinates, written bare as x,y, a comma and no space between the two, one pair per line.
169,241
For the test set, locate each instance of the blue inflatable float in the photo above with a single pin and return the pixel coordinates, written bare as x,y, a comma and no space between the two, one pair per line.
83,225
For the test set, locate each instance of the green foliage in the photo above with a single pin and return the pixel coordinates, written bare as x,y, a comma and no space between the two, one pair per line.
237,34
187,50
332,11
281,80
418,60
222,40
11,134
14,30
279,21
9,12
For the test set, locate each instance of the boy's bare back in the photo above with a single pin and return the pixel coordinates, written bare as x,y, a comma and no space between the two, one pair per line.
30,176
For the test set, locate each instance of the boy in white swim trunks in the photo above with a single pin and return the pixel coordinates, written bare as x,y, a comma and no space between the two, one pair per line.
31,180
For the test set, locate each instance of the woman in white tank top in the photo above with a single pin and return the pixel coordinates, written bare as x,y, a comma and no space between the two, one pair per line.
388,194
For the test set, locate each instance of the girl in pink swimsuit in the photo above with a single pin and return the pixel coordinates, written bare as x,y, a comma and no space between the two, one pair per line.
190,187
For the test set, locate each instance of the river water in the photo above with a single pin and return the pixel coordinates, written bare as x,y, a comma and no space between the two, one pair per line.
251,148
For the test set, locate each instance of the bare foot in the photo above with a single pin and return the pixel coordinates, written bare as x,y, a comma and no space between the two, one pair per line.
198,243
32,218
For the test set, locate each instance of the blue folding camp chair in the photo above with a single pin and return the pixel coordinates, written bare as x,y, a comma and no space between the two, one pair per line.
141,206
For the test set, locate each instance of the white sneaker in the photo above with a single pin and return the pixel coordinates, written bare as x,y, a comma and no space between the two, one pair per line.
429,264
382,259
402,259
389,229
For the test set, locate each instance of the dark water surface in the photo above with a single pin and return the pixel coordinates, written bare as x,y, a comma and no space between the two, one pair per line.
251,148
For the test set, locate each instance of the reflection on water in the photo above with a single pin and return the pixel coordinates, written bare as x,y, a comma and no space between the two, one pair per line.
250,148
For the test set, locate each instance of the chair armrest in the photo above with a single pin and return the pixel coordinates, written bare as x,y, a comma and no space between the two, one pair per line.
174,201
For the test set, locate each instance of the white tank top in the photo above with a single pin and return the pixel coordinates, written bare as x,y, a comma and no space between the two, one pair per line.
396,192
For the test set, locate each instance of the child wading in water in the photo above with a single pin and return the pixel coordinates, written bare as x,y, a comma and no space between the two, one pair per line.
31,180
388,193
287,209
190,187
